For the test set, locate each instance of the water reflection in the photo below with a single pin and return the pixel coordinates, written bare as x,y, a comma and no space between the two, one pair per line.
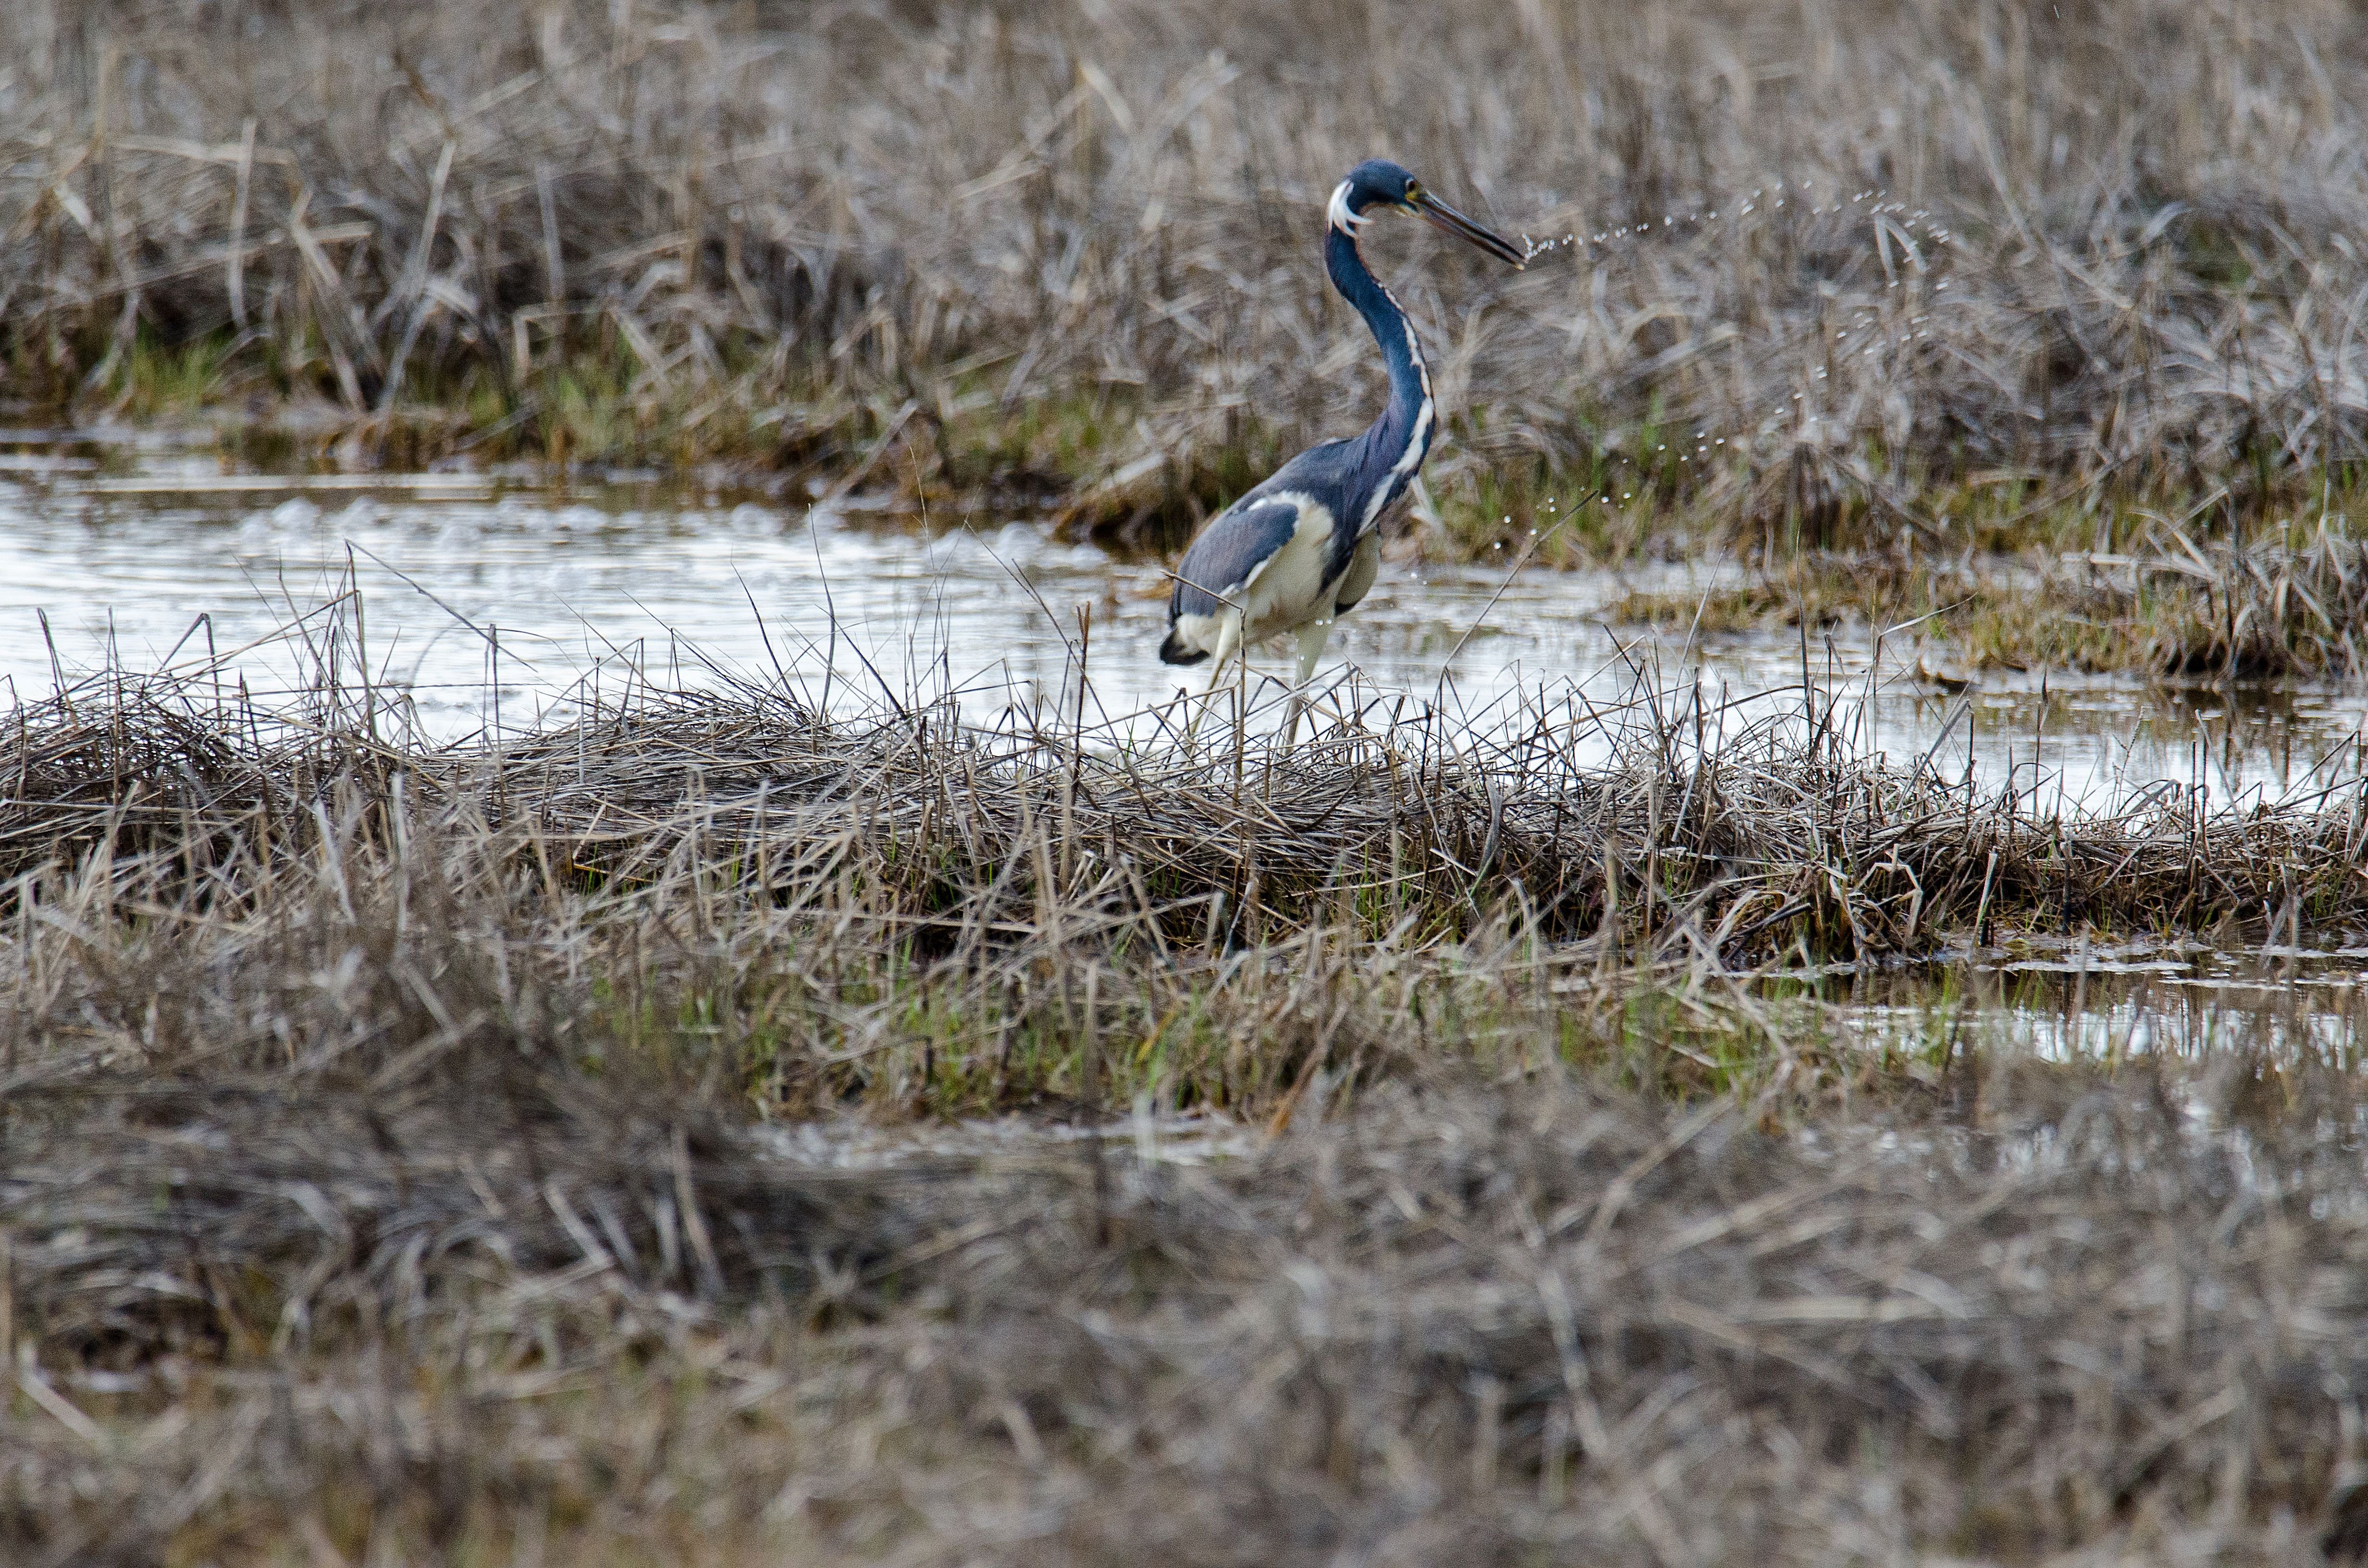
2177,1001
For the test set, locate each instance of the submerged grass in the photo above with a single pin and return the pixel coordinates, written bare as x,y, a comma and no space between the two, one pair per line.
412,1152
2163,598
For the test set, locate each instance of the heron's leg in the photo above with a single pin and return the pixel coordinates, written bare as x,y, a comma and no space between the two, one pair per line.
1229,643
1311,637
1311,649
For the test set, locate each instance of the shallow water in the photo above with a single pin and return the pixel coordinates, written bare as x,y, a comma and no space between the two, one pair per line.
139,548
2181,1000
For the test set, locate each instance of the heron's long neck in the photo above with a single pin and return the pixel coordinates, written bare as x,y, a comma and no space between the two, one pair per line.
1402,435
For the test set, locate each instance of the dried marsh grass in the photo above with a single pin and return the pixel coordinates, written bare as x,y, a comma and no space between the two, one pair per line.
378,1178
932,912
2088,1321
1820,255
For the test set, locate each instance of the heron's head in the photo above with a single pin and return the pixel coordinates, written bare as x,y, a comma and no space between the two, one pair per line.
1379,185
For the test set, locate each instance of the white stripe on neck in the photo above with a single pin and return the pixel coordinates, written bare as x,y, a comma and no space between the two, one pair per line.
1338,214
1416,436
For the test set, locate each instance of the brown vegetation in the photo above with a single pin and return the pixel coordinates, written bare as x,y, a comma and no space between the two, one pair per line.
378,1174
510,1309
947,842
946,242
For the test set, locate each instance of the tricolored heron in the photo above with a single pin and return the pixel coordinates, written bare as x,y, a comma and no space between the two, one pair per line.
1304,547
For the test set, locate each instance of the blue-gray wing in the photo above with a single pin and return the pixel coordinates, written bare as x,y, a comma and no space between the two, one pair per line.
1227,551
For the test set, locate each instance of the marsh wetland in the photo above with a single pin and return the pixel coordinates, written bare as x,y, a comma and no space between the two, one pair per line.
612,951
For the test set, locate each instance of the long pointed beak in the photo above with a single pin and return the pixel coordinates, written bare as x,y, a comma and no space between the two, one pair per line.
1446,219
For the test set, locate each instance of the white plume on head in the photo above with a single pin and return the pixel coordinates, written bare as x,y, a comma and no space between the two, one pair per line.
1337,213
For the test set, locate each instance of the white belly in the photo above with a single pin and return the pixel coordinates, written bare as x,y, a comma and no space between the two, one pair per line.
1289,590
